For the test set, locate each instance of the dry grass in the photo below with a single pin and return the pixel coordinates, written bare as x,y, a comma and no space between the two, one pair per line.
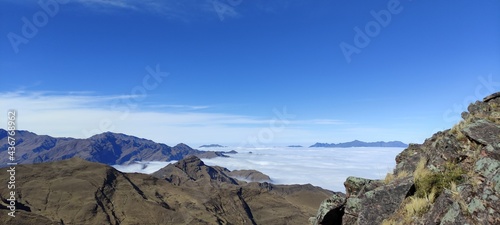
402,174
456,130
421,170
390,177
389,222
417,206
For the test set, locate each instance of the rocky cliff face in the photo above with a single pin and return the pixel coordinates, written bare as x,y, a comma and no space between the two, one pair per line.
108,148
452,178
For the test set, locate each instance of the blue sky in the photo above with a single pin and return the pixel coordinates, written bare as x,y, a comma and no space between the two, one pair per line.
241,71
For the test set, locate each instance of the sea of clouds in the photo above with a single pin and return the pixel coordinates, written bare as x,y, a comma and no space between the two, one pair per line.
324,167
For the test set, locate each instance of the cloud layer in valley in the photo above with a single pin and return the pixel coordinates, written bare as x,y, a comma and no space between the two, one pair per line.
324,167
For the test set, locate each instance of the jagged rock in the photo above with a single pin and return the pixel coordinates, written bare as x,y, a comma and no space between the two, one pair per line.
484,132
408,158
491,97
331,210
446,210
380,203
357,185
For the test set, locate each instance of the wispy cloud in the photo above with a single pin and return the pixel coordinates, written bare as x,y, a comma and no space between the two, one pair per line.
183,10
82,114
124,4
188,107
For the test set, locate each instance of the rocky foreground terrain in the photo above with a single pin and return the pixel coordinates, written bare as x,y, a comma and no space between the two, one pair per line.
76,191
452,178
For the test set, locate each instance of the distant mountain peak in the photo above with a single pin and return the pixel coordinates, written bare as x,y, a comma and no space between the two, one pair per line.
358,143
212,146
108,148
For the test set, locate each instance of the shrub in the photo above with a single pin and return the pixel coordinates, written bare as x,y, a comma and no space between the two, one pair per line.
427,182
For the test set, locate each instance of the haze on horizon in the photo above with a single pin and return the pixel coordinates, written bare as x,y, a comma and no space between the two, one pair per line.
243,72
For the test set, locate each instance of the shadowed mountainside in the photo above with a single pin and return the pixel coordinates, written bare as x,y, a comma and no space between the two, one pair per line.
108,148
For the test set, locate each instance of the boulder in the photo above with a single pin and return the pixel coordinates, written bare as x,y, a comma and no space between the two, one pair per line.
484,132
380,203
331,210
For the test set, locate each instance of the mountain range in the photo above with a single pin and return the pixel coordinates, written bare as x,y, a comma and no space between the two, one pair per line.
212,146
108,148
357,143
76,191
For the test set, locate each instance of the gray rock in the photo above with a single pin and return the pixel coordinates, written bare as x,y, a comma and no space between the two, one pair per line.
484,132
379,204
357,185
331,210
491,97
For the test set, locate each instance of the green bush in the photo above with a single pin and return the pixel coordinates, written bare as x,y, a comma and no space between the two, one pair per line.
437,182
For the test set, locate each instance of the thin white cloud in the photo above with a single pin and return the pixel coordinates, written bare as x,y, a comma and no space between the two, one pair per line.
193,107
183,10
111,3
81,115
84,114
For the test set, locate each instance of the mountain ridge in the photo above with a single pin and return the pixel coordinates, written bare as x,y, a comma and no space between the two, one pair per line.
212,146
108,148
357,143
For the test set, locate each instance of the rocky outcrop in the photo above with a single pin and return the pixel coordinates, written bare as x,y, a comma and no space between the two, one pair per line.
249,176
192,169
331,210
451,178
108,148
